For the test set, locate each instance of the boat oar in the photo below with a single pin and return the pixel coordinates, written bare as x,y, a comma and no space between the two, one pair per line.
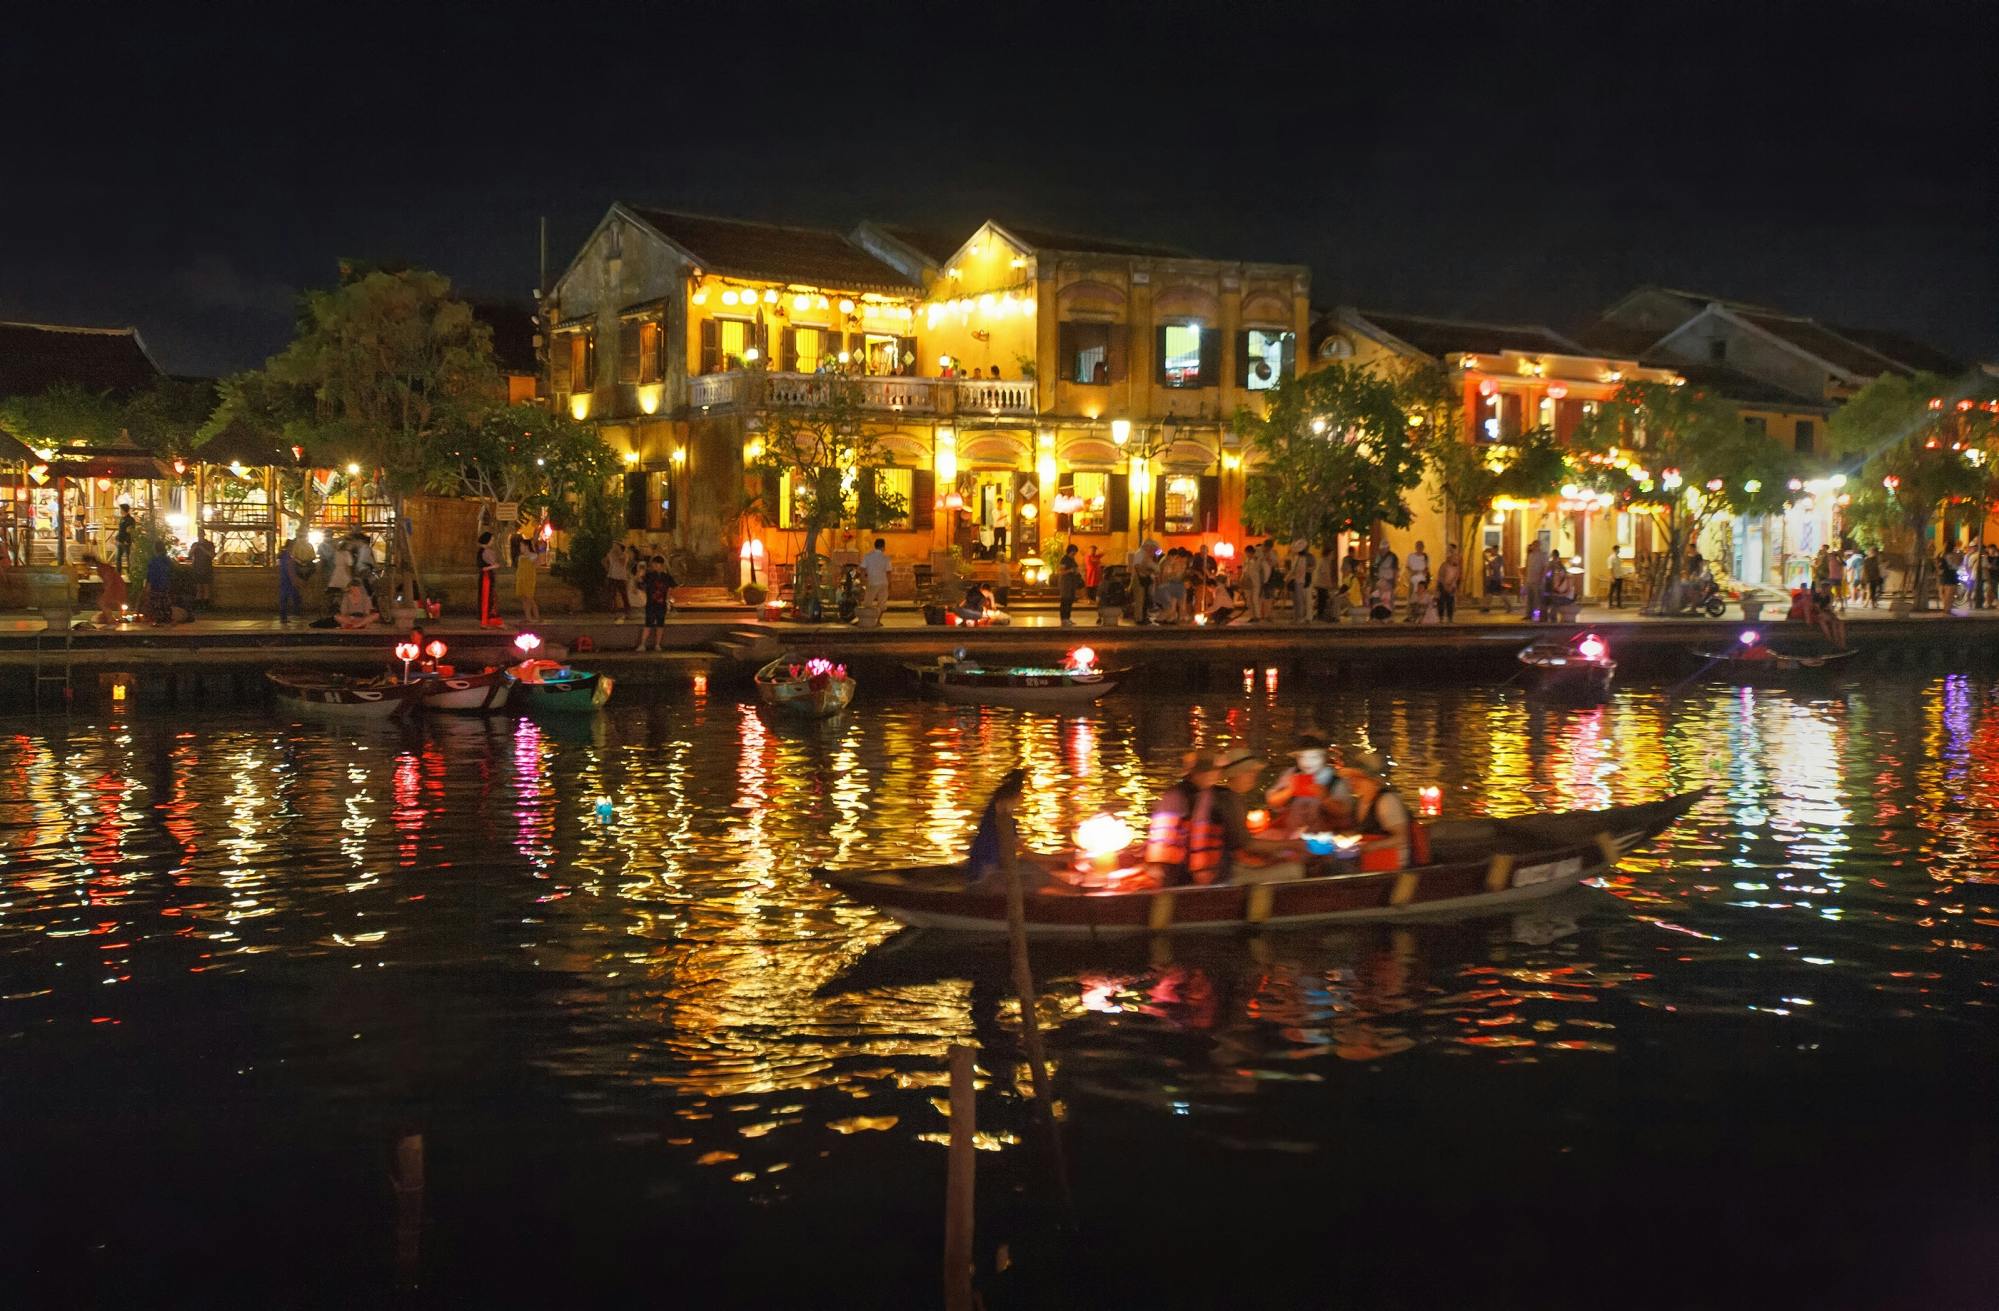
1030,1034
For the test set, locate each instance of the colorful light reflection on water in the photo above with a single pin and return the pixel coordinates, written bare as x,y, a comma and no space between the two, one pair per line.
350,930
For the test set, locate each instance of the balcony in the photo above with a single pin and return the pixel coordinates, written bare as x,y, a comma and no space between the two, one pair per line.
939,397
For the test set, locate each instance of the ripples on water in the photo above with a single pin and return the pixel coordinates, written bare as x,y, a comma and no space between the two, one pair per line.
337,935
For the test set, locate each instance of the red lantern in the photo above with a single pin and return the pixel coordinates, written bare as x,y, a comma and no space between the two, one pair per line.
436,650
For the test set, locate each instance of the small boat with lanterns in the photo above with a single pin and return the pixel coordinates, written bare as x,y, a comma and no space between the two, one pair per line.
323,692
1753,660
813,688
963,680
1578,668
442,687
546,686
1477,866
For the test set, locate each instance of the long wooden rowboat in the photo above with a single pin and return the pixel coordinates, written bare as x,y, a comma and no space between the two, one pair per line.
475,692
1746,667
1480,865
1031,687
1579,669
815,689
343,696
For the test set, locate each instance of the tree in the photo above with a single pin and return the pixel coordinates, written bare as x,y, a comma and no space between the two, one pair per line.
390,371
1333,454
1921,445
527,455
64,415
1683,456
165,418
821,441
1467,476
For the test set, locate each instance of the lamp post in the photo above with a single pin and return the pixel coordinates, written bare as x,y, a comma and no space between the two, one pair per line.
1139,448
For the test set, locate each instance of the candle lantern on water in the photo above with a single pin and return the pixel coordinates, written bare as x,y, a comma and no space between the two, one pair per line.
1102,840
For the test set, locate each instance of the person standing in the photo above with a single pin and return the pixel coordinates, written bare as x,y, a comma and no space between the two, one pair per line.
1450,577
487,561
339,573
1533,580
1322,588
1495,582
1301,582
658,586
527,550
201,563
127,527
875,565
1386,569
1419,581
1620,569
1252,581
159,586
290,600
1870,573
1068,581
1093,571
618,580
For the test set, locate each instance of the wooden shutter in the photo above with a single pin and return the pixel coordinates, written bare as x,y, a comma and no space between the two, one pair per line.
636,501
905,354
1159,503
559,364
1211,503
589,353
666,500
1065,353
1159,355
1120,502
711,346
867,500
1117,350
1288,365
1065,485
788,350
1242,358
1211,357
628,352
923,500
773,498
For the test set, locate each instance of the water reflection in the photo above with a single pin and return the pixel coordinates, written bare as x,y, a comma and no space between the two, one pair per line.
667,968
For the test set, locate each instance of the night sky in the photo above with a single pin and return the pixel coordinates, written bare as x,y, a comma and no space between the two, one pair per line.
189,173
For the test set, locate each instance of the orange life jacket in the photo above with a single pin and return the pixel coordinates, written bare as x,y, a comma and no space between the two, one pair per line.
1186,836
1414,850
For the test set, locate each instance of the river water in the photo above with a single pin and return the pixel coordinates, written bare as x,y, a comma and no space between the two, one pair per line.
242,959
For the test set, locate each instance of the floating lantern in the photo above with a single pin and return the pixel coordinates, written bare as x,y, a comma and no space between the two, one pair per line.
1257,820
1592,647
406,652
528,643
1102,840
603,810
1750,637
1082,659
1430,800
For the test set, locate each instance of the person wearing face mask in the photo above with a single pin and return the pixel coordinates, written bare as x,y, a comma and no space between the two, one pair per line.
1310,796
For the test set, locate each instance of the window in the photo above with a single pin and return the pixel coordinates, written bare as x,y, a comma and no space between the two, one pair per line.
1267,358
1717,350
1085,351
1499,417
651,354
649,501
889,486
1756,423
1187,355
807,350
1093,490
1180,506
576,363
1802,439
628,351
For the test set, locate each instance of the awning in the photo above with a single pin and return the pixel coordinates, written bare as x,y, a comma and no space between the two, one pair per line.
14,451
123,462
241,444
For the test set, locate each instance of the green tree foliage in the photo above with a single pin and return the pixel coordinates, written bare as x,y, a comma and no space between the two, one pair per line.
525,454
1333,454
64,415
167,418
1467,476
820,439
1683,456
1921,445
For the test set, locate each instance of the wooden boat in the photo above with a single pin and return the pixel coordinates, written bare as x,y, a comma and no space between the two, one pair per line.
1578,668
343,695
1478,866
483,692
551,687
813,688
1751,660
1075,682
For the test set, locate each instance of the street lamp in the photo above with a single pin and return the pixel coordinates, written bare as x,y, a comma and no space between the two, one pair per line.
1139,449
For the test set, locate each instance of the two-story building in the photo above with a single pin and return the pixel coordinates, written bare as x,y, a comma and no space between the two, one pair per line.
1513,377
1015,379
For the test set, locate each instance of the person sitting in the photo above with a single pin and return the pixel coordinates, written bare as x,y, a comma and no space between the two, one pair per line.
996,844
357,608
1183,842
1381,605
980,607
1392,839
1562,602
1309,796
1249,857
1801,607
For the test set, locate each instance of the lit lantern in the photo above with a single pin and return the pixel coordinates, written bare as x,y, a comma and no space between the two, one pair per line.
1082,659
103,484
1102,840
436,649
1257,820
1224,550
729,297
406,652
1750,637
1430,801
1592,647
846,306
770,296
953,501
528,643
180,466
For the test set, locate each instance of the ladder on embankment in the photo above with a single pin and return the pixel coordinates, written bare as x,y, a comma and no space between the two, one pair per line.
58,637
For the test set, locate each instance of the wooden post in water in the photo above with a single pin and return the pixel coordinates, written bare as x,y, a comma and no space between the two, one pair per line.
1030,1032
408,1181
958,1191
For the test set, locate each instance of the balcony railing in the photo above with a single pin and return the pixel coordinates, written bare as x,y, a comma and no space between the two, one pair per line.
932,396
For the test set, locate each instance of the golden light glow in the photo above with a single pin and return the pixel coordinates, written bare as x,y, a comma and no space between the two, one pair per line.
846,306
753,449
770,296
801,303
1230,460
729,296
650,396
631,457
1044,470
1120,431
680,455
353,471
579,406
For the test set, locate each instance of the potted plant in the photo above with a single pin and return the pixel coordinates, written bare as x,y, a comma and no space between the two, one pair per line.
753,594
1752,602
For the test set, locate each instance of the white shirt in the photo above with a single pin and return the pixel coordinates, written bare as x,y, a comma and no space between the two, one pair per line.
1419,564
875,565
614,564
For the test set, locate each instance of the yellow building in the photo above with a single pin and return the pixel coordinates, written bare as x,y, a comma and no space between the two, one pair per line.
1513,377
1020,379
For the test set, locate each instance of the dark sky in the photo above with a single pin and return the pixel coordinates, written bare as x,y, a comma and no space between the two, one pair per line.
190,172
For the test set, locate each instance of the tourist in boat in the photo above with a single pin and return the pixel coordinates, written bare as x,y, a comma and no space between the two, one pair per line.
1392,838
1309,796
1249,857
996,852
1183,842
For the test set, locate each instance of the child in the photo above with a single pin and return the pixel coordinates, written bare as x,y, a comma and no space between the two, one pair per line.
658,586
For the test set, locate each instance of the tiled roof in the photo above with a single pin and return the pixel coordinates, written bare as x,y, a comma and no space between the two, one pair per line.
1816,339
1908,353
37,356
513,329
241,443
1046,239
935,245
1732,385
773,252
1440,337
1617,339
